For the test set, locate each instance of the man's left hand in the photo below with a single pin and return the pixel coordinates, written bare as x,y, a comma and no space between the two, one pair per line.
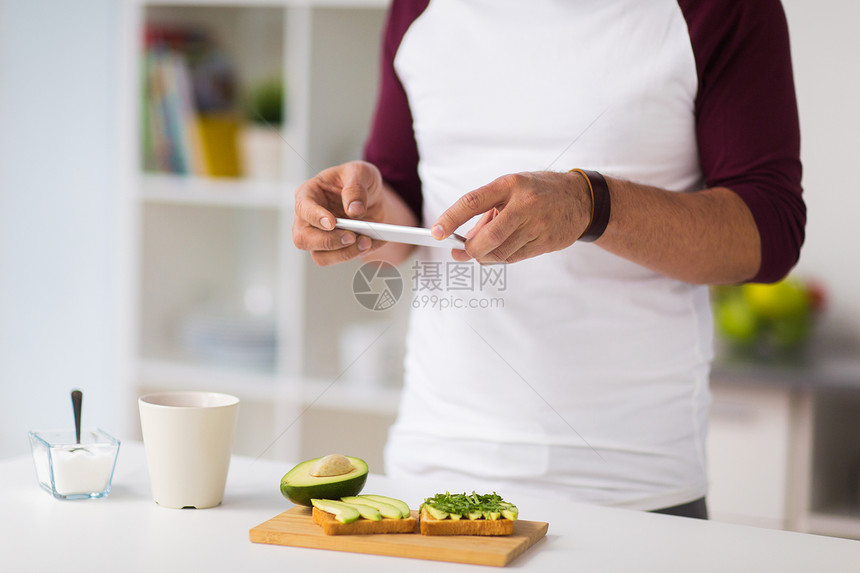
525,215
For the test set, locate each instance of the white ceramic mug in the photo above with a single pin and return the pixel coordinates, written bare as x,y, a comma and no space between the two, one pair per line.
188,438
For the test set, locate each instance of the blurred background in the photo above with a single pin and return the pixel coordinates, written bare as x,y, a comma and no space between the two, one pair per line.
148,157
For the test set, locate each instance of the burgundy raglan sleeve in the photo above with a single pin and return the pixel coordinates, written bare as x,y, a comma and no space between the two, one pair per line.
746,119
391,144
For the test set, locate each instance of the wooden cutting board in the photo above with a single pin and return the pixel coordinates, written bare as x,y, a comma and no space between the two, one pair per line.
295,528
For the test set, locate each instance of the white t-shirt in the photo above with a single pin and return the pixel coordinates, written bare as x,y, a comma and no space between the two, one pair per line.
576,374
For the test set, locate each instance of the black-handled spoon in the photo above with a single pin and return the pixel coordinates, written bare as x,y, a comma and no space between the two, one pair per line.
77,398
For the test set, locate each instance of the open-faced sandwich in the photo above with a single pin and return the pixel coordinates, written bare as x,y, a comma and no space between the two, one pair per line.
363,514
461,514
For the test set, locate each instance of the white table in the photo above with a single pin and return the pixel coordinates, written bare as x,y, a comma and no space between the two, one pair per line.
128,532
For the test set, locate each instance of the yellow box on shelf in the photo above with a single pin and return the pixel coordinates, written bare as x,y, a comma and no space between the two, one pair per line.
219,136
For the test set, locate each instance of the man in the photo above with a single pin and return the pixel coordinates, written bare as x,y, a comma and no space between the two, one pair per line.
592,383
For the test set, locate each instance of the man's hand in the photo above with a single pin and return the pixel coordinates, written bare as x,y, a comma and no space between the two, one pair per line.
702,237
525,215
353,190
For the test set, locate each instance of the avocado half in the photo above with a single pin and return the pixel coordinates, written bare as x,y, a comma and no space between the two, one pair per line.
299,486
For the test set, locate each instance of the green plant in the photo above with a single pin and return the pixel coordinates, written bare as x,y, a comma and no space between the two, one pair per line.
265,102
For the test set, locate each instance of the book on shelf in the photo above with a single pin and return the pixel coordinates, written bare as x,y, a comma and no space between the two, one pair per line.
189,123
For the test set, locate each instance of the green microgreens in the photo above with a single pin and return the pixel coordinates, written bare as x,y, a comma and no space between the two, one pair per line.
463,504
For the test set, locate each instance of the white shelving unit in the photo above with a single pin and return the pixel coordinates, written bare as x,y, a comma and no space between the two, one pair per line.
198,191
203,250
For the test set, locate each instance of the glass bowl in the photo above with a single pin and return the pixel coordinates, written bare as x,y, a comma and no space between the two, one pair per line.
68,470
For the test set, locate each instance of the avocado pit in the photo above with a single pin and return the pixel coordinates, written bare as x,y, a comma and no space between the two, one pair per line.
331,465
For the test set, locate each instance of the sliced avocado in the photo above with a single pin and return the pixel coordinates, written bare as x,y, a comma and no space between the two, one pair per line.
387,510
492,515
511,514
475,515
436,513
342,512
299,486
366,511
454,516
401,505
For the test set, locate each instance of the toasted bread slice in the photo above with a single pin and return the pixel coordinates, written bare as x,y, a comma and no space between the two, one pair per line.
331,526
431,526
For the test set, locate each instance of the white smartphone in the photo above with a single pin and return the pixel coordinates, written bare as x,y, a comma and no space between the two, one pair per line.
400,234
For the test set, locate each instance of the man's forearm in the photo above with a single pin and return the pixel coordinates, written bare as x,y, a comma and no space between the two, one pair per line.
704,237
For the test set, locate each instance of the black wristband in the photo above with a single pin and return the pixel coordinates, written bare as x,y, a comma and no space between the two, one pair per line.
600,205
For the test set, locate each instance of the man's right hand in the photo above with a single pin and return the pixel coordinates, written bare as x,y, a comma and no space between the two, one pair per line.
353,190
